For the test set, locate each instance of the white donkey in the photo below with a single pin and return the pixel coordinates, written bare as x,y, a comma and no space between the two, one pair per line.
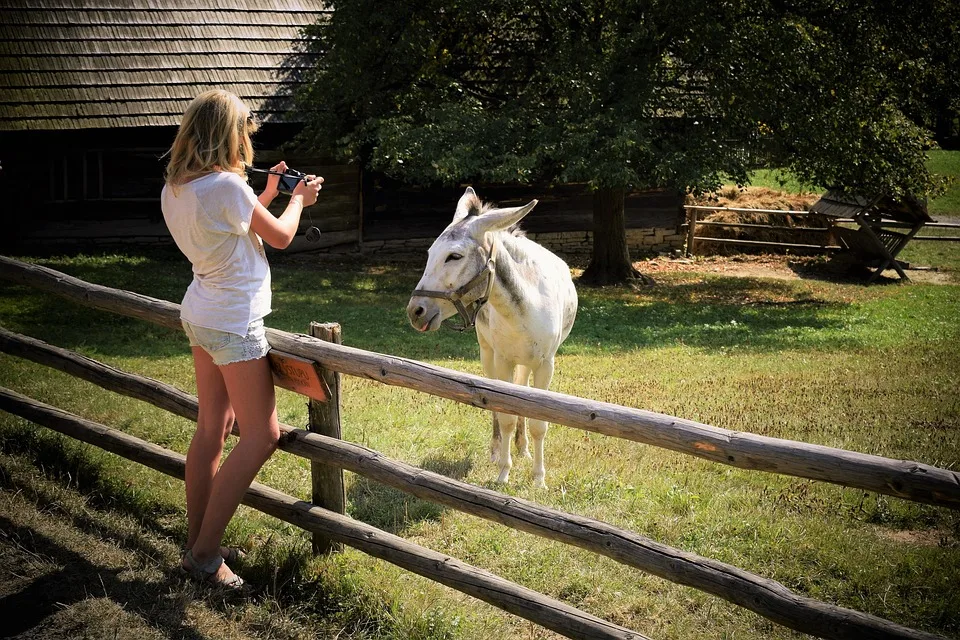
519,295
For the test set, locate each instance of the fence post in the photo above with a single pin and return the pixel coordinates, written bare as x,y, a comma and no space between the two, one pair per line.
327,480
691,230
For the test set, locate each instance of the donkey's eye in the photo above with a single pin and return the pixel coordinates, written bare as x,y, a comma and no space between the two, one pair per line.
452,257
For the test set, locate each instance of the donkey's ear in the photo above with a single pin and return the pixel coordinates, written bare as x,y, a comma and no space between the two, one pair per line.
500,219
469,205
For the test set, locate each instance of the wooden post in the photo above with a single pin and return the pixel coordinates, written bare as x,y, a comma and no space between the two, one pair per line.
691,230
328,491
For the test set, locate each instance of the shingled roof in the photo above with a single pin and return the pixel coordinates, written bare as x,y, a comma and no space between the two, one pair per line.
78,64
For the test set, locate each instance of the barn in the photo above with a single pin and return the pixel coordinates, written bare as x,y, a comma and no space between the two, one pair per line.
92,92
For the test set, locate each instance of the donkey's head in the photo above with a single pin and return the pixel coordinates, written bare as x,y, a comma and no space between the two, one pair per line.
459,271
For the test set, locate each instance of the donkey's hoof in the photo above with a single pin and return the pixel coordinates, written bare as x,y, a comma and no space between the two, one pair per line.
538,483
504,477
526,454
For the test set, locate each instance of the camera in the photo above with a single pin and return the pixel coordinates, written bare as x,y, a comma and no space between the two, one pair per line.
289,180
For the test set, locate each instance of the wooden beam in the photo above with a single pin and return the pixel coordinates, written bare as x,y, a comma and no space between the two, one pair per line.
764,243
785,212
483,585
761,595
902,478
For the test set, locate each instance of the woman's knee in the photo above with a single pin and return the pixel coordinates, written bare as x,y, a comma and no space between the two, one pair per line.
265,440
229,419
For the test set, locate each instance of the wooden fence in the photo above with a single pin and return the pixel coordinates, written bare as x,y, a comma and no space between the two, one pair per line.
910,480
693,221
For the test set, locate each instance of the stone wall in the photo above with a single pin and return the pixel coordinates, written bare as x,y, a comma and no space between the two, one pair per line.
640,242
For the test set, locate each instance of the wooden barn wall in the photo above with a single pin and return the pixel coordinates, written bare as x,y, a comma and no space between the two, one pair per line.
405,219
102,187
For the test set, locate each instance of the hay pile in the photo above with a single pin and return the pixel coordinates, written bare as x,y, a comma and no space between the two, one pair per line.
757,198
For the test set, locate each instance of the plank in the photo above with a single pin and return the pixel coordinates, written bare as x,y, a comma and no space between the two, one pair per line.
901,478
761,595
521,601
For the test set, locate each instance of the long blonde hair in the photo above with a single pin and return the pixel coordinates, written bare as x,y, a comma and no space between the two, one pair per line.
214,135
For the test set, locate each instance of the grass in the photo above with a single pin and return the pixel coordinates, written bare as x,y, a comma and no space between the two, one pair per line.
871,369
946,163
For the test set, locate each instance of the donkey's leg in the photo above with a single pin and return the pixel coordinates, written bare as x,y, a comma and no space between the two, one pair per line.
507,422
486,361
522,376
538,428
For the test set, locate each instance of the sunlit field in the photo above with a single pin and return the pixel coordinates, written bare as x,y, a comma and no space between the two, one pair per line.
871,369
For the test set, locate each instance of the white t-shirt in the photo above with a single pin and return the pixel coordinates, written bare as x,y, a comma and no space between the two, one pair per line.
209,218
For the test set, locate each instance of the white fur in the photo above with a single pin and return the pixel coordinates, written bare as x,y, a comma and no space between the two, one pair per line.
517,341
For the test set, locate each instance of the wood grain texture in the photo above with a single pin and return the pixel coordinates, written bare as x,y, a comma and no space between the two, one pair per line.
526,603
901,478
761,595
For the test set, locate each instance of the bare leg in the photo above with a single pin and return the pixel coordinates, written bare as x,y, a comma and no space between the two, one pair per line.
250,388
538,428
214,422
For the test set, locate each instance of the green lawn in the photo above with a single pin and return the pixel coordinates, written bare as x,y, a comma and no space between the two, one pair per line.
946,163
871,369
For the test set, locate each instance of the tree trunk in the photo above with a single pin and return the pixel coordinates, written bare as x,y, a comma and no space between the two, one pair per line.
610,263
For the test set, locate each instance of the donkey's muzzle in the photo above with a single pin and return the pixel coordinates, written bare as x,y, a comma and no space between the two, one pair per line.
423,313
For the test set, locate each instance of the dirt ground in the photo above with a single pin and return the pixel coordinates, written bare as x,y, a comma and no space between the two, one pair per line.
786,267
783,268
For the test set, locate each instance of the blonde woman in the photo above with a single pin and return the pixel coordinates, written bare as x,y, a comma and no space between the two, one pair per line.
220,225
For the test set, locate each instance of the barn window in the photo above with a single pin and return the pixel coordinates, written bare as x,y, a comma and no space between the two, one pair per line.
76,176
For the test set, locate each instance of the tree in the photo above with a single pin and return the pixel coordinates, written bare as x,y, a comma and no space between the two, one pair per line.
615,94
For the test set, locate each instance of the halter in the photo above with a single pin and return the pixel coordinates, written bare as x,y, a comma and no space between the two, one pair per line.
456,297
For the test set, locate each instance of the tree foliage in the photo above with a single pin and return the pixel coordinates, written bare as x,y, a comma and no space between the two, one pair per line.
632,93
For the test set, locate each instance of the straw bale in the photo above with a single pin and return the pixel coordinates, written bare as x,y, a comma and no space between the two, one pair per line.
757,198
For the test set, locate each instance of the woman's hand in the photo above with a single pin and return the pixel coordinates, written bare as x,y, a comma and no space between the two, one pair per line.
271,191
308,189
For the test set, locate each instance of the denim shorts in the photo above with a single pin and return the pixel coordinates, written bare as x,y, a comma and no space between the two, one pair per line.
227,348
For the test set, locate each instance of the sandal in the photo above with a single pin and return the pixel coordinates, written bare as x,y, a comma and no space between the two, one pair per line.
230,555
208,572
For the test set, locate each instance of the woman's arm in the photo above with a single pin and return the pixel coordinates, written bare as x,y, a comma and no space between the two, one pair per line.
280,232
270,191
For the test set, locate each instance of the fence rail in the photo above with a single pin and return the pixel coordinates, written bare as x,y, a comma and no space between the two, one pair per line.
693,221
901,478
761,595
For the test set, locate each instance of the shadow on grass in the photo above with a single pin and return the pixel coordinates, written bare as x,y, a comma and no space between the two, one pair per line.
710,314
369,299
62,459
393,510
50,593
273,571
